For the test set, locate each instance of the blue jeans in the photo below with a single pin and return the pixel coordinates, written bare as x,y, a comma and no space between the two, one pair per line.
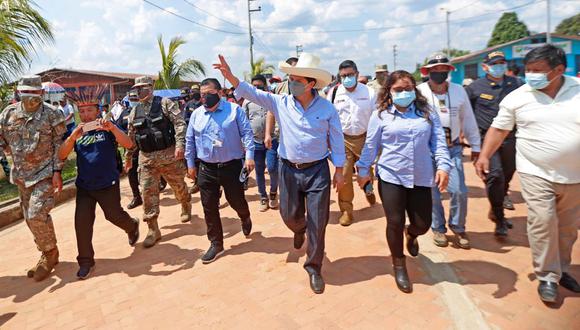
266,158
458,197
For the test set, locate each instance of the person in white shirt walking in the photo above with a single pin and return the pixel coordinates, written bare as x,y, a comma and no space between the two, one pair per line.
546,113
452,104
355,103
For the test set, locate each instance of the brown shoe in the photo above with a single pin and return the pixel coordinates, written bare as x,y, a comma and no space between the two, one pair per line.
345,219
185,212
440,239
153,235
372,199
46,264
462,240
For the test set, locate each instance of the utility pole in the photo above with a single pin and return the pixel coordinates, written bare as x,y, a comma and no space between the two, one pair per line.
394,57
299,50
251,36
447,13
548,34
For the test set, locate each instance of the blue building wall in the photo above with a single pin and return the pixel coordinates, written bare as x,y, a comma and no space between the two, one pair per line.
572,69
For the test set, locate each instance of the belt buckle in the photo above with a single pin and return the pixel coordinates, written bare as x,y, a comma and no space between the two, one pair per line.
220,165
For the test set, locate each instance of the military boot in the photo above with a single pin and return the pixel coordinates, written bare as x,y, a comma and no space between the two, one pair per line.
153,235
45,265
186,212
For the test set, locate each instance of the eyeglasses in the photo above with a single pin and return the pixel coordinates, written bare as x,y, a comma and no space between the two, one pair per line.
347,75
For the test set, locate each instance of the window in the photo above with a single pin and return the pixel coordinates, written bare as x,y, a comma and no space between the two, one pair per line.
471,71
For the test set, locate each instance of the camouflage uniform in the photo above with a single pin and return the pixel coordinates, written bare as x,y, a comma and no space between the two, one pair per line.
33,139
375,84
162,162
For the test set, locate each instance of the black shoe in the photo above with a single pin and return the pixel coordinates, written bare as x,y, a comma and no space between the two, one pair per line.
501,229
136,201
509,224
85,271
298,240
401,275
247,226
162,185
568,282
134,234
412,243
215,250
548,291
316,283
507,203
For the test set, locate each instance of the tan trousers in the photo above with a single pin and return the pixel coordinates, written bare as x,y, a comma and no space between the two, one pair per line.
553,220
353,148
36,203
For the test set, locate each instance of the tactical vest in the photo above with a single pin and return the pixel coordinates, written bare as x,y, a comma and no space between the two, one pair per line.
155,131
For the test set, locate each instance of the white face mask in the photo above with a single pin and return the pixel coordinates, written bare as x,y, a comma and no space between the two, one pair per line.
538,80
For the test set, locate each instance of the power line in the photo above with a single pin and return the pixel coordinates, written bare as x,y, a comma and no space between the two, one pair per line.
384,28
210,14
190,20
463,7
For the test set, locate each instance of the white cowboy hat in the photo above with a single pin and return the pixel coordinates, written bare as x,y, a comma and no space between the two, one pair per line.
307,66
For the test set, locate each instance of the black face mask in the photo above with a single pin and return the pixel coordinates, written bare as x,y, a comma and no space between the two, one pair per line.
196,96
210,100
438,77
262,88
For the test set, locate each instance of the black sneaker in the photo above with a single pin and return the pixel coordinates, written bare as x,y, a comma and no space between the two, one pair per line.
507,203
85,271
134,234
247,226
501,229
215,250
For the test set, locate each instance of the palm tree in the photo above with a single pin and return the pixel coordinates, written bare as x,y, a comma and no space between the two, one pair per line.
260,67
22,31
172,72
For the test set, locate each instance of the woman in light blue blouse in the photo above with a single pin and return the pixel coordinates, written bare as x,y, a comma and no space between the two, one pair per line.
410,138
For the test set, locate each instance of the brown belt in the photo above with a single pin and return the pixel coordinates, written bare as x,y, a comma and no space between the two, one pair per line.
355,136
302,166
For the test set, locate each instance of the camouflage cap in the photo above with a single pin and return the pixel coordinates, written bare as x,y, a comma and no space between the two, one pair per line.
381,68
30,83
143,81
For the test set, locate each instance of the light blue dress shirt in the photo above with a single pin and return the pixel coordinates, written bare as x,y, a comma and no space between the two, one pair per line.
305,135
409,144
219,136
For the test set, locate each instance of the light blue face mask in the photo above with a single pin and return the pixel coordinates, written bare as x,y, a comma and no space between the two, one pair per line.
497,70
404,98
133,104
349,81
538,80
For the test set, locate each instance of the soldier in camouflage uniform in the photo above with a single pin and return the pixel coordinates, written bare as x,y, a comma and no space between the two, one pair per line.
157,127
32,131
381,75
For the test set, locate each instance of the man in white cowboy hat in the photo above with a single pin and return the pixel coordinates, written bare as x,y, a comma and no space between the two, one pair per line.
32,131
453,107
310,132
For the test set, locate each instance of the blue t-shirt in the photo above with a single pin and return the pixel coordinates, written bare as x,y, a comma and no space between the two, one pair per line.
96,160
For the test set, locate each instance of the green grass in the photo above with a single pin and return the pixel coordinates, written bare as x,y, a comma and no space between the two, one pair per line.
9,191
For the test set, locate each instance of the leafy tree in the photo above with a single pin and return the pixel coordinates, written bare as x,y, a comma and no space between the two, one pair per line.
260,67
22,31
508,28
570,26
455,52
172,72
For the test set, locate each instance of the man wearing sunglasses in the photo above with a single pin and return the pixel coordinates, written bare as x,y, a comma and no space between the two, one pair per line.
32,132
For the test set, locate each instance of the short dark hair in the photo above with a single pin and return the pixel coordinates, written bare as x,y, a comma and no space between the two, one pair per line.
55,103
347,64
261,78
309,80
291,60
549,53
211,81
514,68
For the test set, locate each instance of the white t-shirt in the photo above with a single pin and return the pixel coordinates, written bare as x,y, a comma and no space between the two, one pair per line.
455,112
548,135
354,108
68,109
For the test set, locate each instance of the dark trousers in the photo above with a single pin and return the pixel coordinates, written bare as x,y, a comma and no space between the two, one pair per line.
5,167
134,175
396,200
502,166
109,199
210,178
301,191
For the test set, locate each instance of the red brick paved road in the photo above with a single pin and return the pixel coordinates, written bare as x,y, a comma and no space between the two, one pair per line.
260,283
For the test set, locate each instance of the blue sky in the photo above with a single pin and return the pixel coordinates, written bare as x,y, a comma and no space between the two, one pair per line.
121,35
